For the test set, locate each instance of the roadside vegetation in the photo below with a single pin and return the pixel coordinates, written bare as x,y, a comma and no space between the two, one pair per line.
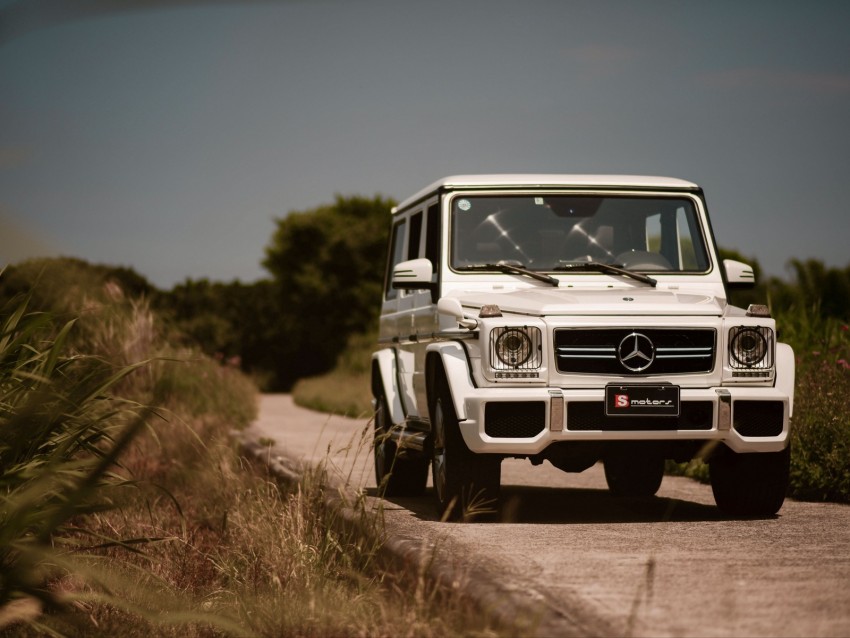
326,271
821,425
346,389
124,519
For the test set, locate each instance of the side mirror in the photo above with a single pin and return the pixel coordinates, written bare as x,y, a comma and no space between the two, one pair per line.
413,275
739,275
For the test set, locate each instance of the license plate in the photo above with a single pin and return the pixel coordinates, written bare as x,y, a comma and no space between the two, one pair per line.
642,400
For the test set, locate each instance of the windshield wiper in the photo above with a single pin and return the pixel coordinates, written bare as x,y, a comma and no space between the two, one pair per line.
606,268
514,269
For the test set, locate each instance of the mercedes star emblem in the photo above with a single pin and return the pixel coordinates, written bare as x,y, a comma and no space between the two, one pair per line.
636,352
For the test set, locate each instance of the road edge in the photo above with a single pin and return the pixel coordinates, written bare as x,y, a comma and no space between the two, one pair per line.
524,610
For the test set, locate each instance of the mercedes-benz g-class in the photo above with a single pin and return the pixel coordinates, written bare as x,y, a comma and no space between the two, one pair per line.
573,319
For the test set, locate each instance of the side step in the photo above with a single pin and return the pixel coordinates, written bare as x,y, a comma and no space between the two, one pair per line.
407,439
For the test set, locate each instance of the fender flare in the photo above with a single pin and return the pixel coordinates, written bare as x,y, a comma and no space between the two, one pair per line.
785,373
454,360
385,378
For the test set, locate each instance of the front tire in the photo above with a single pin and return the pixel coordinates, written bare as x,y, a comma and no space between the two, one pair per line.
395,475
751,484
633,472
466,484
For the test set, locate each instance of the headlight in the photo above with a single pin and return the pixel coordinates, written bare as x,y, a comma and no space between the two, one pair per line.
515,348
751,348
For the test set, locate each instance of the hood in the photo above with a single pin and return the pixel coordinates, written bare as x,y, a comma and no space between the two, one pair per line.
559,301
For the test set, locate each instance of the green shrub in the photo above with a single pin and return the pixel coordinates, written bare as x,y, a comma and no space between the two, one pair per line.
193,385
346,389
820,433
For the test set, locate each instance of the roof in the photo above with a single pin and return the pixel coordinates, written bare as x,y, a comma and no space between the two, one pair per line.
549,180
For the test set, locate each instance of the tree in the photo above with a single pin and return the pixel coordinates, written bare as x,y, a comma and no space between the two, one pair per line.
230,321
327,268
823,291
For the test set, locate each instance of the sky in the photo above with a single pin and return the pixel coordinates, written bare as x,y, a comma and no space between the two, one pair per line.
169,136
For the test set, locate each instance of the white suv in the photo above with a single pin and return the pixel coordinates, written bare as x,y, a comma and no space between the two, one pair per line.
573,319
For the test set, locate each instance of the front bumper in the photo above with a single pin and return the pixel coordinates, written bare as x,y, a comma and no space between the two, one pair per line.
524,421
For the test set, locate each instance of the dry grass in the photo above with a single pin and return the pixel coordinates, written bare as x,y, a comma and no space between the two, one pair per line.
258,558
201,542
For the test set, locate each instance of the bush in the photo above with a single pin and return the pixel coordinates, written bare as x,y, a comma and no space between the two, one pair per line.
820,433
346,389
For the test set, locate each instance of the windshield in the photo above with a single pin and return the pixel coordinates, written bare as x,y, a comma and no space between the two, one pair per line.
552,232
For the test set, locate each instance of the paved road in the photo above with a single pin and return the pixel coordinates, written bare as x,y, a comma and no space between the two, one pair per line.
671,566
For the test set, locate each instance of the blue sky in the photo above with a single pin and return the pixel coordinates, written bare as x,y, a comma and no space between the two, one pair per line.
169,138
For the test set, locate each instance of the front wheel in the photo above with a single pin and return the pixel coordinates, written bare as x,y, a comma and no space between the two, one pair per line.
395,475
633,472
466,484
751,484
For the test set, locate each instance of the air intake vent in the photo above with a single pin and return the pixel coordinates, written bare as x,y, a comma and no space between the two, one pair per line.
514,420
758,418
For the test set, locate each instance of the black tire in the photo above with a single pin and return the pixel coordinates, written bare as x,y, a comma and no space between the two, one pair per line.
751,484
395,475
633,471
466,484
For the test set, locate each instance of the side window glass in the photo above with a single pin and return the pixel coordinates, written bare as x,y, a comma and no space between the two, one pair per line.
432,236
414,236
396,255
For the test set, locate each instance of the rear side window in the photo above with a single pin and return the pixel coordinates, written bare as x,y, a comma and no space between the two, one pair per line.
415,235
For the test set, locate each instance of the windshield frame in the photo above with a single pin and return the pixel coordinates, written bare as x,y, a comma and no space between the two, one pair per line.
698,227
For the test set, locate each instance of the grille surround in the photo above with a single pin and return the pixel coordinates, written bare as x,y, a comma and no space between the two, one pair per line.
514,419
595,351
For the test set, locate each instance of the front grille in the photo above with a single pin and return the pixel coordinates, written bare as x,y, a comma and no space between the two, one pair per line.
598,350
514,420
758,418
590,415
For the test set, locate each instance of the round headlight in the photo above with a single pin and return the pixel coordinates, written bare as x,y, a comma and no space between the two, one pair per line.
749,347
513,347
